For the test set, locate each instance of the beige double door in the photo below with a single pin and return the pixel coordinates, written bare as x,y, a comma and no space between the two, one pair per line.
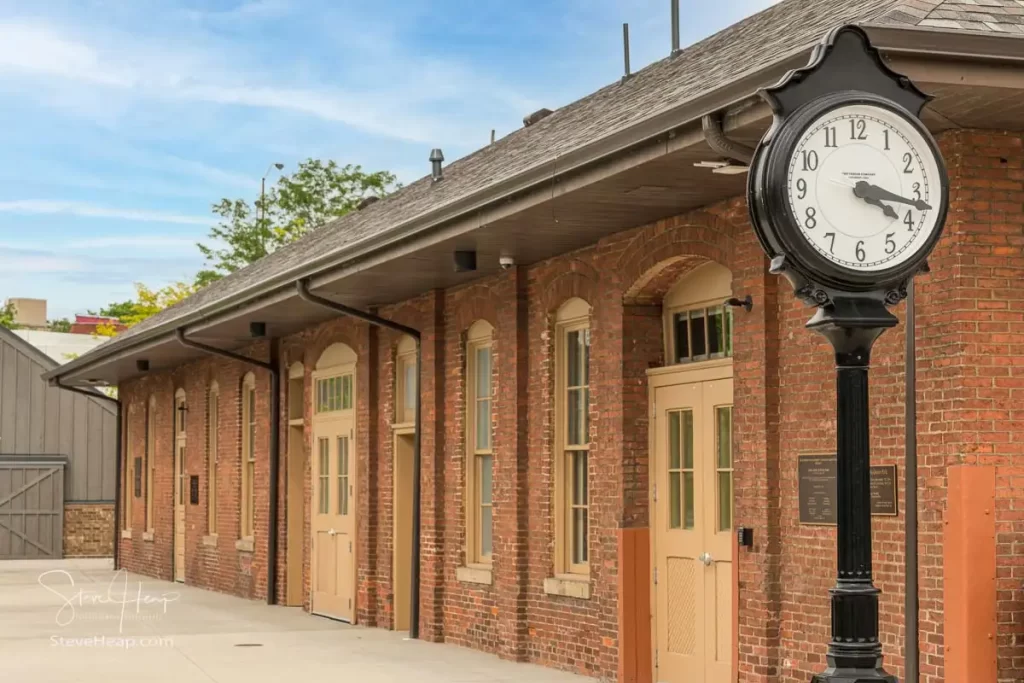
693,529
333,520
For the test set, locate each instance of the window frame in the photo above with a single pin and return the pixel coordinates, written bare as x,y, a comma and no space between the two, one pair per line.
150,463
479,336
573,316
212,455
405,356
248,458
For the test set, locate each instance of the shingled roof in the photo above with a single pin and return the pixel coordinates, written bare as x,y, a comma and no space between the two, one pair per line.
745,47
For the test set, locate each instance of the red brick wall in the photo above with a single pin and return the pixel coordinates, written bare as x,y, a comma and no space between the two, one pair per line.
970,338
88,530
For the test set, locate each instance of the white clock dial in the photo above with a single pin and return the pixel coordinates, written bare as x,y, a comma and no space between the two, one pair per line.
864,187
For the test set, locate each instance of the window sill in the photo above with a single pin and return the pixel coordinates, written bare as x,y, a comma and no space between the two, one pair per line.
246,545
126,533
568,586
480,574
210,540
147,536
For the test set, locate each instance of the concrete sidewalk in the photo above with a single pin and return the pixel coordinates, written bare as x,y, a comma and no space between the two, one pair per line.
75,621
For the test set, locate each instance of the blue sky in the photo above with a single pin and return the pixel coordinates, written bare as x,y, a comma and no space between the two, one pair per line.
122,121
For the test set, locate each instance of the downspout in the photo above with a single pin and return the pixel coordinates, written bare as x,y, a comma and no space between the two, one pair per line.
912,645
302,288
275,426
117,462
717,140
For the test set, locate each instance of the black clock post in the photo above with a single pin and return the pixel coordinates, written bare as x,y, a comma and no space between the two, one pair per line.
851,292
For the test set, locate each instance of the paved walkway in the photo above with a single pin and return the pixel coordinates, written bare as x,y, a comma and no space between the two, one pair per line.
66,622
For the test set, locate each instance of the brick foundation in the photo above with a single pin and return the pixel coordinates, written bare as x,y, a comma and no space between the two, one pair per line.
88,530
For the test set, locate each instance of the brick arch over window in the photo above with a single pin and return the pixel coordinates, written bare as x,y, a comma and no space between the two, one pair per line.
477,307
659,255
580,281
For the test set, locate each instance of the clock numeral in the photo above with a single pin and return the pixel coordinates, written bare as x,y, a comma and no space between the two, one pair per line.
832,244
860,251
908,159
908,220
886,132
801,186
811,223
810,160
830,137
858,128
917,191
890,245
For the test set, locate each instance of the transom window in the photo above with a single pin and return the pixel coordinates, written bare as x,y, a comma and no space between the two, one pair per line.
698,325
480,454
334,393
405,381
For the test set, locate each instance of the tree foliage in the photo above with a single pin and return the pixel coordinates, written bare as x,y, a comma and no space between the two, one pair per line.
147,302
315,194
59,325
7,314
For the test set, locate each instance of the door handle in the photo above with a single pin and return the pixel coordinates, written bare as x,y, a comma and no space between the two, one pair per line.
332,532
706,559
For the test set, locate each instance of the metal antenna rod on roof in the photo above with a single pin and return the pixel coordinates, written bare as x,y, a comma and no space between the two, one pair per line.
492,136
675,26
625,48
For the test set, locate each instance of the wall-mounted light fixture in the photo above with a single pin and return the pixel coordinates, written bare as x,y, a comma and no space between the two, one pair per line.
746,302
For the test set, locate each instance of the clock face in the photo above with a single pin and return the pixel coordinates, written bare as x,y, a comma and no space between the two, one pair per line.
864,187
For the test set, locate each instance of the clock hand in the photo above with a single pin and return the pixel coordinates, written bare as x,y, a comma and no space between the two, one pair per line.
886,209
866,190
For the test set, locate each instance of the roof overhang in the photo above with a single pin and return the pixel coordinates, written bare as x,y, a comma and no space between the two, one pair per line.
634,176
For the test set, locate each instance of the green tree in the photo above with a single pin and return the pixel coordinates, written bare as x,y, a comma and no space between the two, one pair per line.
116,309
7,314
147,302
59,325
315,194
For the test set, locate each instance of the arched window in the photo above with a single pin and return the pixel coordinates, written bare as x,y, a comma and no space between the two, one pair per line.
405,381
572,437
212,455
248,497
698,325
479,442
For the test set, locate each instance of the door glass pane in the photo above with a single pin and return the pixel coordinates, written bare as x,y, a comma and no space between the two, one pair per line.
342,475
673,500
688,500
724,501
323,490
723,416
674,427
687,439
697,333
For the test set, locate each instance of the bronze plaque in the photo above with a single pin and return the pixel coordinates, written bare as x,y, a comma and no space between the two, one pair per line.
193,489
818,490
883,491
817,475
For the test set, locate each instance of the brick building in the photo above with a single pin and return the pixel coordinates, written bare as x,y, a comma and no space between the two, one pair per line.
592,415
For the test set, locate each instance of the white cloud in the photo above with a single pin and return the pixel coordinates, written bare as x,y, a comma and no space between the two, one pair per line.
43,206
133,241
23,262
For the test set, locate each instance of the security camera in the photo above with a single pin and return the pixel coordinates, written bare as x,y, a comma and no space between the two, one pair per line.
506,262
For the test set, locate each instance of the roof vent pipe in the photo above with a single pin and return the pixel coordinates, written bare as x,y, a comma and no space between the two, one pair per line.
436,157
675,26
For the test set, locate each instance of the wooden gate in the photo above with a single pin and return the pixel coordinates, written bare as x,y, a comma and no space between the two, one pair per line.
31,507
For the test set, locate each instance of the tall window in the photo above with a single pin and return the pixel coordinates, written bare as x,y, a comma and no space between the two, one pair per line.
128,481
572,436
480,454
150,464
405,381
213,427
248,512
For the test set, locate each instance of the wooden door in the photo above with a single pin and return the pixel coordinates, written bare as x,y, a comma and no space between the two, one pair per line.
334,504
401,560
180,491
692,526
